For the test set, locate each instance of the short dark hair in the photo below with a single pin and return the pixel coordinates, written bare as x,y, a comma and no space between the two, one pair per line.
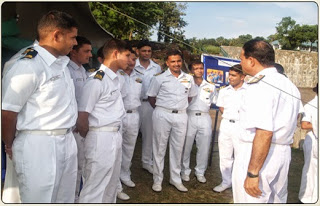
100,52
81,41
115,44
53,20
315,89
260,50
143,43
173,52
194,63
237,68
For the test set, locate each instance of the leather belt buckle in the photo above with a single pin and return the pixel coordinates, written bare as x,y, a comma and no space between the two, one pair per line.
198,114
129,111
232,121
175,111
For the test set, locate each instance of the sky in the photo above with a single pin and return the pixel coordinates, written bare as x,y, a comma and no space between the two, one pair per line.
231,19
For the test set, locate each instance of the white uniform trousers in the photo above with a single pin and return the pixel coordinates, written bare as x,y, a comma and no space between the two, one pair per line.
309,179
80,146
11,186
172,127
146,130
102,167
129,137
199,129
273,176
227,140
46,167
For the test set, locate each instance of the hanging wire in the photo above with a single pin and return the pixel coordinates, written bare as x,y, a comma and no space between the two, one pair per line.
201,50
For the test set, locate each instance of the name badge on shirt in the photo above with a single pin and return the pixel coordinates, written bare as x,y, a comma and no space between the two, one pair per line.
185,82
54,78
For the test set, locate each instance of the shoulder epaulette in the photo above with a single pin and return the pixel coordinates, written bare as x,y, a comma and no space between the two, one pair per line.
191,74
208,82
159,73
138,71
29,53
92,70
254,80
122,72
99,75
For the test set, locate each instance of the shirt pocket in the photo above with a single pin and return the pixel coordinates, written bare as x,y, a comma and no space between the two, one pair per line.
54,91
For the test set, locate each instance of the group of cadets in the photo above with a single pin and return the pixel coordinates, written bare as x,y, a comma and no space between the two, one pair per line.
71,132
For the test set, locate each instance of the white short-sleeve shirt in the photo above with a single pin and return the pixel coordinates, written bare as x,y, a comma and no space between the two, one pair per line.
230,99
79,76
206,95
171,92
133,84
102,99
311,114
148,74
41,91
271,104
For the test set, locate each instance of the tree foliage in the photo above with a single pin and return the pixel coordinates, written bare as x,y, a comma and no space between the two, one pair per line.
167,15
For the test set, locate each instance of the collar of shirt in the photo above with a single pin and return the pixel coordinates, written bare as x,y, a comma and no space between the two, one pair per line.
244,86
267,71
108,72
49,59
138,65
74,65
168,73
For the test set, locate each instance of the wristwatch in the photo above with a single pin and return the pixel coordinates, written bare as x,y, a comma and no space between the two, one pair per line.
249,174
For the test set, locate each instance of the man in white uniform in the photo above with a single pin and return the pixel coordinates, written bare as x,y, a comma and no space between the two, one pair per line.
39,101
229,100
100,114
309,180
133,84
199,125
169,94
11,185
268,116
80,54
148,68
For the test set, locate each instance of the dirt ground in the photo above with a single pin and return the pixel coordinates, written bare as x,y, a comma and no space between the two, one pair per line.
198,192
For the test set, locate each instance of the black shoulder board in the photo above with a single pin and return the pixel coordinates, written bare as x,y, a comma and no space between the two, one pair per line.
138,71
29,53
92,70
99,75
160,73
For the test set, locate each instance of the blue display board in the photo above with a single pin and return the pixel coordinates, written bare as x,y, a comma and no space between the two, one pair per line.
216,70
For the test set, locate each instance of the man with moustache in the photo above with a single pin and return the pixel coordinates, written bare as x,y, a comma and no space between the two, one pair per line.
101,112
169,93
39,102
268,118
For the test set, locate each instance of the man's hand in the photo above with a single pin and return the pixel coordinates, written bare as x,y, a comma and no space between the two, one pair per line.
82,125
8,150
251,185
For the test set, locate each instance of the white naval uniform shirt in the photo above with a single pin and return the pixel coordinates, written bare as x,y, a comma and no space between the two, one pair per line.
267,107
171,92
102,100
123,89
79,76
148,74
133,84
206,96
311,114
15,57
230,99
41,91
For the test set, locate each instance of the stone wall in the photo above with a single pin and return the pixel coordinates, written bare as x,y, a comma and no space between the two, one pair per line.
301,67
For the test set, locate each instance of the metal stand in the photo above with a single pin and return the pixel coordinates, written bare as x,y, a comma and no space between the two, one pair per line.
213,136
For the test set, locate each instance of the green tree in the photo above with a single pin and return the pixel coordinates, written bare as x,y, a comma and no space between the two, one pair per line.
122,26
170,21
285,30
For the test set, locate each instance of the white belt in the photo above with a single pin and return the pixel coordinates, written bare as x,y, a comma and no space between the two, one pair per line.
174,111
197,113
104,129
55,132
